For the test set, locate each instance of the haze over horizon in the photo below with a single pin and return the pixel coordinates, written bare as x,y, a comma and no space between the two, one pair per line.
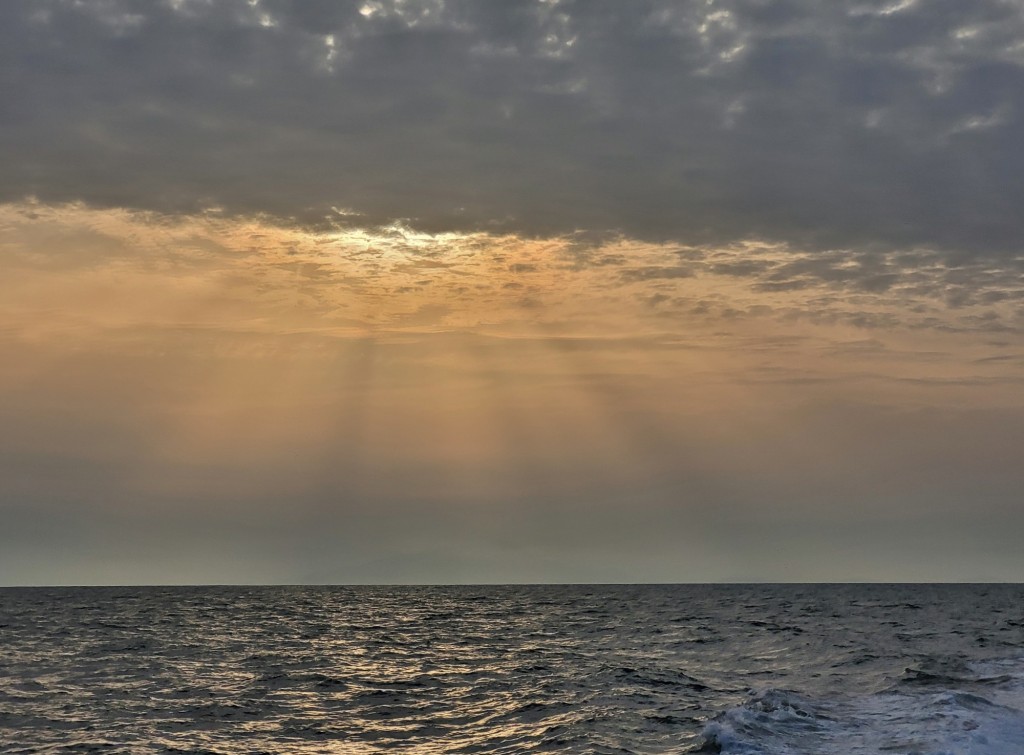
442,292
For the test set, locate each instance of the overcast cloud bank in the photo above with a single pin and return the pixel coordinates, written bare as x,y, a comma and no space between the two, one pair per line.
853,124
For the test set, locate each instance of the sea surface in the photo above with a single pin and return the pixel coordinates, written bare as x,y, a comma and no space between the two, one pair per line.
923,669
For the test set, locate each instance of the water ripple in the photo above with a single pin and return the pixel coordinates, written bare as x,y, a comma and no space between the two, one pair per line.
617,669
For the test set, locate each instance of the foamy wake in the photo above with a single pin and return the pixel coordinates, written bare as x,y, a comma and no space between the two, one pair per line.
959,709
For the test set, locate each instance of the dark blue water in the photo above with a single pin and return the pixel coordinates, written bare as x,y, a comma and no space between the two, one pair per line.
518,669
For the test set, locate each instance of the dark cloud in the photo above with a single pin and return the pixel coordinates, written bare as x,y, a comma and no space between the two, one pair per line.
655,272
841,124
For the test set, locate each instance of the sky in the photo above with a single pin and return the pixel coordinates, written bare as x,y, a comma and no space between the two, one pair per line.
461,292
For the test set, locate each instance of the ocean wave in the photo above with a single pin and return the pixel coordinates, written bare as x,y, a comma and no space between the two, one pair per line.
527,670
970,709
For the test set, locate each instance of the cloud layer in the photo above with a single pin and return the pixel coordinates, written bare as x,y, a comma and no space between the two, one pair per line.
860,124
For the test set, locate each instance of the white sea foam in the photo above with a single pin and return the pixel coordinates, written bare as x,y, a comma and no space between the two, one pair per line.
980,711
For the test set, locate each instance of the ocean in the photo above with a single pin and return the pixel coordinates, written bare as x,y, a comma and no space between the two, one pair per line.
777,669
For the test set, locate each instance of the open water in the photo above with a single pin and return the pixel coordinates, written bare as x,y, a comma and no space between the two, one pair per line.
778,669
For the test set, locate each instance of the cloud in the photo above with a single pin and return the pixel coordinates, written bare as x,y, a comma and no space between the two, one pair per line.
73,268
823,125
655,272
511,290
